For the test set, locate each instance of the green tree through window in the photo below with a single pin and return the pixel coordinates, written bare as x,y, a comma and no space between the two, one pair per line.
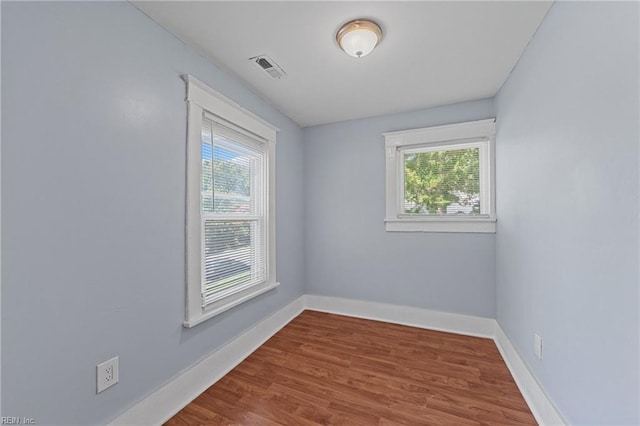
442,182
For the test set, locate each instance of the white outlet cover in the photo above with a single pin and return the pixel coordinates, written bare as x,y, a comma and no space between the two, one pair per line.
107,374
537,346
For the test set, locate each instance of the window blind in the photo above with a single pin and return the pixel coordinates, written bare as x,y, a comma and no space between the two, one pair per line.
233,211
443,181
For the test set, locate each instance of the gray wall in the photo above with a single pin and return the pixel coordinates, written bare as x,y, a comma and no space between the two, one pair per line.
93,154
567,238
347,251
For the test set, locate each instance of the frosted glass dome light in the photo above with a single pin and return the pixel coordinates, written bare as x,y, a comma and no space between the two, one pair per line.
358,38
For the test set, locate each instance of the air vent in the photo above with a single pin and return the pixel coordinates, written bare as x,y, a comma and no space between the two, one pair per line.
269,66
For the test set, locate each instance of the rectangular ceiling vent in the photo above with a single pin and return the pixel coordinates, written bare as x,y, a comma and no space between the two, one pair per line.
269,66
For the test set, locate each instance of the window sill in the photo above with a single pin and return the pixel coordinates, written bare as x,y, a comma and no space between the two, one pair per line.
223,305
487,226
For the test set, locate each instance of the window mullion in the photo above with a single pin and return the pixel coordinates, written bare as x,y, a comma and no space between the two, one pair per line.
484,181
401,181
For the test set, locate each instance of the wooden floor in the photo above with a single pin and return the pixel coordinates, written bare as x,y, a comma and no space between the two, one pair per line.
329,369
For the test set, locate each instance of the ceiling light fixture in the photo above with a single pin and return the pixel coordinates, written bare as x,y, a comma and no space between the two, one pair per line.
359,37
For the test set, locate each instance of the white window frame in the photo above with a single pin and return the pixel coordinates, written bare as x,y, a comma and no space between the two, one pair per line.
200,99
470,134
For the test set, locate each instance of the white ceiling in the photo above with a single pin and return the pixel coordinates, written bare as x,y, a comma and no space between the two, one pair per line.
433,53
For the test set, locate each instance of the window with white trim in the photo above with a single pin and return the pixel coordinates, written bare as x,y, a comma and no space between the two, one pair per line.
441,179
230,230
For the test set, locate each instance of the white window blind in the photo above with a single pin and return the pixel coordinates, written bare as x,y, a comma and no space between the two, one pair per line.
233,210
445,179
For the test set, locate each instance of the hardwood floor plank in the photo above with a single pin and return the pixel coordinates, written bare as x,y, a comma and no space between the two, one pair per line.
325,369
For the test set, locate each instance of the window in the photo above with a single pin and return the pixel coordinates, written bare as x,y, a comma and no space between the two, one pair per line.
230,231
441,179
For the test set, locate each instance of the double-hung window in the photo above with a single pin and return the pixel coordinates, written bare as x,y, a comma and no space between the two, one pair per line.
441,179
230,204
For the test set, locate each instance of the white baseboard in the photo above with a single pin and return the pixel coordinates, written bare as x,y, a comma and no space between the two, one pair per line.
405,315
161,405
541,406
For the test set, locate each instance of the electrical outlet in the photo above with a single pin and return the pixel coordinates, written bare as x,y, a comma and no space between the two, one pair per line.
537,342
108,374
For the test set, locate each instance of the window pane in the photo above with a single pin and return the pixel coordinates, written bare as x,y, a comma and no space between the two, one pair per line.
233,208
232,183
445,182
232,257
206,177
